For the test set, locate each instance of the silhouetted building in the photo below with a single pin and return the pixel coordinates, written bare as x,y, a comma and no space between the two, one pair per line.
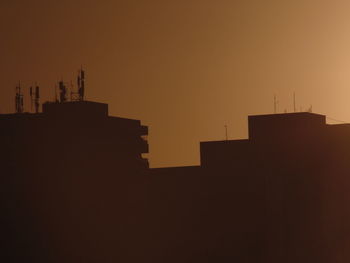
56,163
289,189
73,135
272,137
75,188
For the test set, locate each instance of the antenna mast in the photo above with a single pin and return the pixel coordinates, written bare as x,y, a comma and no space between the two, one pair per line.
34,98
37,99
63,91
31,98
80,93
19,99
81,84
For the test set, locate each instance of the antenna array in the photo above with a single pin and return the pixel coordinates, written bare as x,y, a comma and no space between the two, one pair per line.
80,93
19,100
61,93
35,98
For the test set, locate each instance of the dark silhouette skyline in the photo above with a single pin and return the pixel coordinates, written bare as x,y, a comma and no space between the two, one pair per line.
80,185
76,188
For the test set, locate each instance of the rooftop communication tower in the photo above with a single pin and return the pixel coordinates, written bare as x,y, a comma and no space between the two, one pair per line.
35,98
80,93
19,100
81,84
62,91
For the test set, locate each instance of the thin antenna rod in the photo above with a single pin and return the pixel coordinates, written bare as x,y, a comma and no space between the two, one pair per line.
19,102
37,98
71,90
274,104
226,135
31,98
63,91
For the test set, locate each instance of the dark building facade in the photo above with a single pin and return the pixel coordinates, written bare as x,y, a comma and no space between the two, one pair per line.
59,168
289,186
73,134
75,188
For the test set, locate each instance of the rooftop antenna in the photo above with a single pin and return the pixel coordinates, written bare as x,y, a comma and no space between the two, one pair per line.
63,91
19,99
34,98
80,93
81,84
31,98
37,99
71,91
226,135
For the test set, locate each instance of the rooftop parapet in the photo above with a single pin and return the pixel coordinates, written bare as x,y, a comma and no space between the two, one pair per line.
266,126
76,108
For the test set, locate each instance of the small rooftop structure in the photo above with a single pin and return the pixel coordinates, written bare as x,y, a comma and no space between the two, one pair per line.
265,131
76,108
265,126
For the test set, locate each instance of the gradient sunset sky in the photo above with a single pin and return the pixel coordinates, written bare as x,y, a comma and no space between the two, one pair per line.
184,68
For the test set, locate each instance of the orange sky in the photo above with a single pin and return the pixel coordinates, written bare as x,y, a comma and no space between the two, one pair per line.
185,68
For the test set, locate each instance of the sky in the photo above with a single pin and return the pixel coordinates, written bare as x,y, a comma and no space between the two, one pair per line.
184,68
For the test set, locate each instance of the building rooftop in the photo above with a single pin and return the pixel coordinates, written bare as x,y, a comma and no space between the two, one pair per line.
74,108
265,126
